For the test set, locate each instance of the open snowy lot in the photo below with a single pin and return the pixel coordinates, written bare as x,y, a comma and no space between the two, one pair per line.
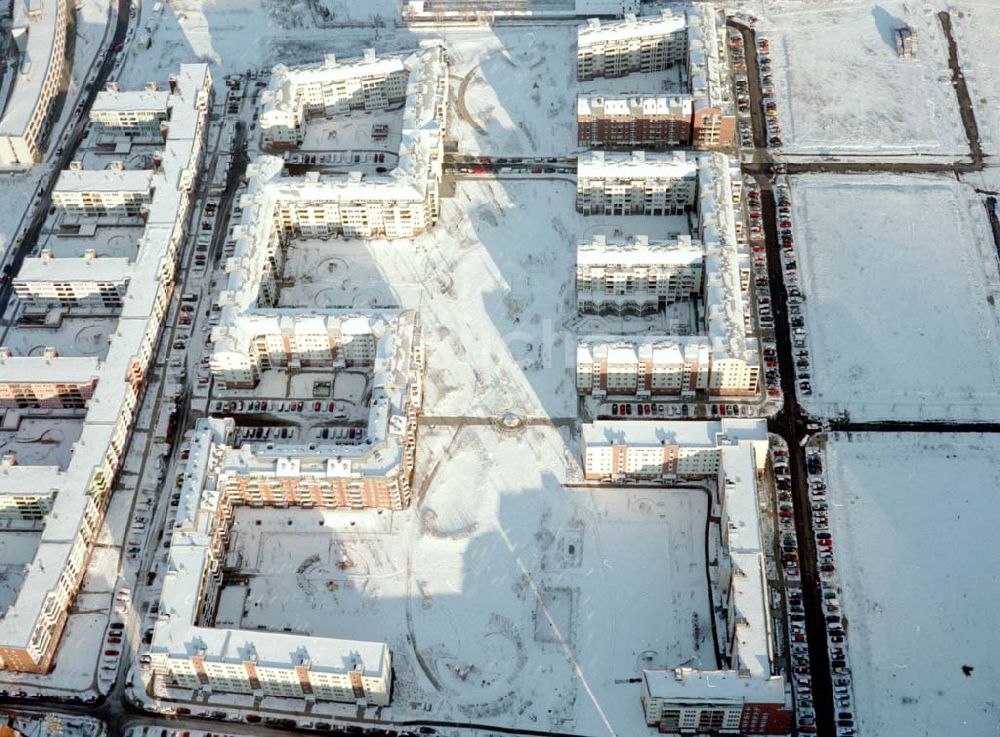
506,596
841,90
514,91
900,275
913,522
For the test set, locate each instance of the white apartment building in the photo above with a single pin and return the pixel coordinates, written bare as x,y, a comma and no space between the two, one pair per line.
639,183
31,627
296,94
399,204
206,659
659,366
48,381
103,192
90,281
130,112
643,44
39,33
704,116
637,276
613,279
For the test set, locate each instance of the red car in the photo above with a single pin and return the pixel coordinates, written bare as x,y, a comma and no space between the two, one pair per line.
111,653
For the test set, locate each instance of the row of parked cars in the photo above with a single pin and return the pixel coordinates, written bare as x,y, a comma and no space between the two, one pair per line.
762,283
829,589
796,316
798,644
767,90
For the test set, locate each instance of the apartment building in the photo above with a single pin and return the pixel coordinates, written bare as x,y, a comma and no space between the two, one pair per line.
189,653
703,116
296,94
640,277
399,204
635,44
38,32
130,112
372,472
113,192
747,694
90,281
659,366
636,276
638,183
31,627
48,381
649,122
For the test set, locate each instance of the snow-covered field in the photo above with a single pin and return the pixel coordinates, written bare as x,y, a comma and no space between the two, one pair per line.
900,275
841,90
514,91
506,596
913,522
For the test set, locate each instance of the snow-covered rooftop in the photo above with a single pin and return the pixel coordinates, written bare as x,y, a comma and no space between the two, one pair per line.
130,101
595,32
104,180
645,164
640,251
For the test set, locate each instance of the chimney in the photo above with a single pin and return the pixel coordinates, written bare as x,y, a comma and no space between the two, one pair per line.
50,352
152,87
117,166
90,254
113,87
173,83
46,254
5,352
9,460
158,161
76,165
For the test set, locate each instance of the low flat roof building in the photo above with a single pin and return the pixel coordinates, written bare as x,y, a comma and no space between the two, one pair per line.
130,111
89,192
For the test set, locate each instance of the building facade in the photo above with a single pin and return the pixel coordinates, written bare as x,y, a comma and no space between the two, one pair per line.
649,122
636,183
103,192
39,33
703,116
296,94
636,276
90,281
138,112
646,44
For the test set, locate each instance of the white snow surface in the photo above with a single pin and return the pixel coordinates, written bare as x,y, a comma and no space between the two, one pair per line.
975,23
899,274
841,89
913,519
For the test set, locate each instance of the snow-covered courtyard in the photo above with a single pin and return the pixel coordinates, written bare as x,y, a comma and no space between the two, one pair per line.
505,594
841,89
900,276
913,518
